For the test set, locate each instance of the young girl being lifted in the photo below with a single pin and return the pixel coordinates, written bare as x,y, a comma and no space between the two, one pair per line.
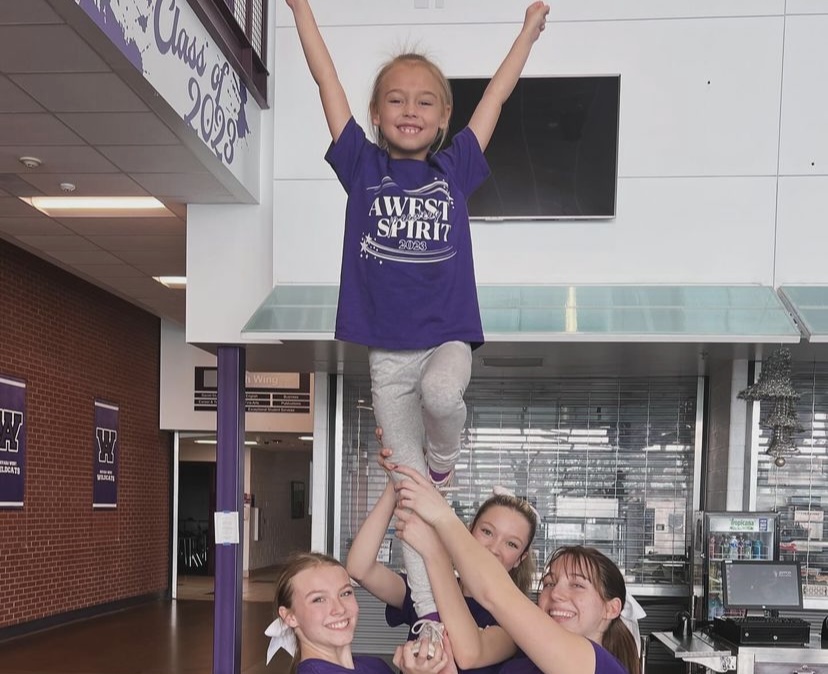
407,287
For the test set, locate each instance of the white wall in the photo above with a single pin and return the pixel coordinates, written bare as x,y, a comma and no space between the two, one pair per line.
178,363
723,146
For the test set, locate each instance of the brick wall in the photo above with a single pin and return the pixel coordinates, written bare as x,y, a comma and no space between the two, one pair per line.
72,343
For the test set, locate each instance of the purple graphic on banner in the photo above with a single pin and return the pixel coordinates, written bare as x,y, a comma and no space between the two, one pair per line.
105,462
12,442
100,11
167,43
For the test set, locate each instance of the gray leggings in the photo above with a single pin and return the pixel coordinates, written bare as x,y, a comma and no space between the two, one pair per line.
418,403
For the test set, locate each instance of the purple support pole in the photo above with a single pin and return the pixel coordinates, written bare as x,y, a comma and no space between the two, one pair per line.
229,486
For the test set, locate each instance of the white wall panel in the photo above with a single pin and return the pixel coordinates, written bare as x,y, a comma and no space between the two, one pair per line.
800,254
806,7
804,136
693,230
698,96
308,231
384,12
229,269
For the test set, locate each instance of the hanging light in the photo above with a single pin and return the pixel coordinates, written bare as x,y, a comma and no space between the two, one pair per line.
784,416
775,385
780,446
774,380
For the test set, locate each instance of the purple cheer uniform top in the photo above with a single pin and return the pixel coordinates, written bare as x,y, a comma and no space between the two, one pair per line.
363,664
605,663
407,278
406,615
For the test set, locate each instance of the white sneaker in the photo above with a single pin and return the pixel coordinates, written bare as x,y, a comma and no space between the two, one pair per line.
432,630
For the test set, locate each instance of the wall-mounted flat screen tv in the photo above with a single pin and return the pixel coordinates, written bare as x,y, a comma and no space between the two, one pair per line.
554,152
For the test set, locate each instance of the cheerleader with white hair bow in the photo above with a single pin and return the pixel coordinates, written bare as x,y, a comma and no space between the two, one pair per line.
317,616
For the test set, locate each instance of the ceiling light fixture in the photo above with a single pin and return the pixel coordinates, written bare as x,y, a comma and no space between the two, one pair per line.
99,207
30,162
174,282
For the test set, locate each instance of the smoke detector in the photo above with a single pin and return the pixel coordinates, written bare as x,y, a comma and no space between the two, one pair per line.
30,162
67,187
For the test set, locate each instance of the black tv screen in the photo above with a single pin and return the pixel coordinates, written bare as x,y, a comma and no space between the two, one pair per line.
554,152
761,585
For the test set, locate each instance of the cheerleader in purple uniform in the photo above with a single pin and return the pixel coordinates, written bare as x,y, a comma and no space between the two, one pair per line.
318,614
576,625
504,525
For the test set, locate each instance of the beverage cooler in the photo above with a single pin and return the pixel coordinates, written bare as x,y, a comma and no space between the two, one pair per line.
727,535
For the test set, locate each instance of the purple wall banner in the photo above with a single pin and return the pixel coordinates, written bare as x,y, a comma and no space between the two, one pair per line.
105,462
12,442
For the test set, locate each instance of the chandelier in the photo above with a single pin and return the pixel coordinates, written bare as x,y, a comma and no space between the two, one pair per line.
775,386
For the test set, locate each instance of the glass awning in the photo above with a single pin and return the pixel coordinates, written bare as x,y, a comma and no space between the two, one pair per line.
588,313
810,305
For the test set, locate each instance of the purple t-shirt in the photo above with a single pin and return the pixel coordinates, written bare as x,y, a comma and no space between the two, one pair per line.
363,664
406,615
407,279
605,663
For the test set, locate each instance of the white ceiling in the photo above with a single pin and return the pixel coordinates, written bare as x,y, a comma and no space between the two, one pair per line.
64,103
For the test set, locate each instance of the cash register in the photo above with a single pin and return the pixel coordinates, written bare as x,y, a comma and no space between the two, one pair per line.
763,588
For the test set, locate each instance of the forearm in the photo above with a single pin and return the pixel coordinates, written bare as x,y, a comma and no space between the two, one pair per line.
362,557
482,574
453,609
319,60
322,69
487,112
503,82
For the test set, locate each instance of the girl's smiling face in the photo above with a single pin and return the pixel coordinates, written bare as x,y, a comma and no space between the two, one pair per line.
505,533
409,110
324,609
572,599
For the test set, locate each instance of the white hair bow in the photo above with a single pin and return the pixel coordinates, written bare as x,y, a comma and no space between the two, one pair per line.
630,615
281,636
500,490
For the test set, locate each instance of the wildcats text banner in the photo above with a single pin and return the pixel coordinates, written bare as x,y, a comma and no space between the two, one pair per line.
105,460
12,442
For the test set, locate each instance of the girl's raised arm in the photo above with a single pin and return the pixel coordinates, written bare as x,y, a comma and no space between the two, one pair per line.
473,647
487,112
334,102
549,646
362,564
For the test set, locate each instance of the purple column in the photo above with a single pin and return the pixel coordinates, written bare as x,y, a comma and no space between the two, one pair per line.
229,486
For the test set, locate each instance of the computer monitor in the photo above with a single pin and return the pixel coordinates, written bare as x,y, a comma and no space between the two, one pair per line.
766,585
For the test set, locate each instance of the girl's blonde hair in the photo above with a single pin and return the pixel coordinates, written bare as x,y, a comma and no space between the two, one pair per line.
283,595
410,58
604,575
521,574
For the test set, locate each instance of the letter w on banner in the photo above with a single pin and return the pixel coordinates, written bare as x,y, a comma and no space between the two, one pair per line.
105,461
12,442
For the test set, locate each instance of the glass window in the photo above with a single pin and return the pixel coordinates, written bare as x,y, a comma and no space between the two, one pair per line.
607,462
799,489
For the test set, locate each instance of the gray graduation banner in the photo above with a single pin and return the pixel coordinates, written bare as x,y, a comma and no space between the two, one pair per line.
106,450
12,442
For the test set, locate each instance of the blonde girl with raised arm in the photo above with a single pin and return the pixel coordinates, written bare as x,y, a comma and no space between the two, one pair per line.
578,609
504,525
407,286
